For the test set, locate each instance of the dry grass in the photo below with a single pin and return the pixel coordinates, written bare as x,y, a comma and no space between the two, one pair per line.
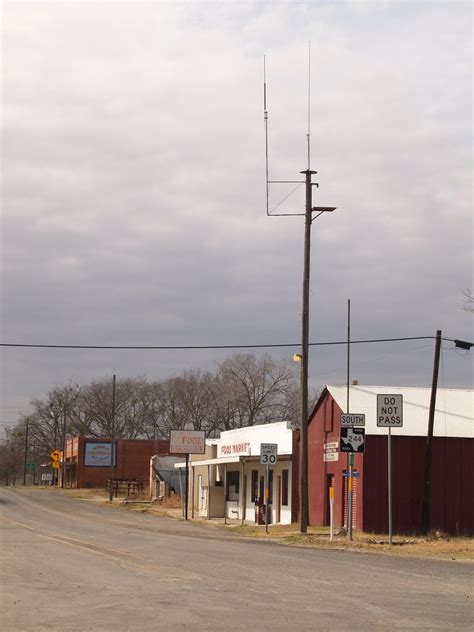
434,545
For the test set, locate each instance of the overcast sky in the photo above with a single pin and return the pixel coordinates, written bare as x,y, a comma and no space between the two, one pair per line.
133,186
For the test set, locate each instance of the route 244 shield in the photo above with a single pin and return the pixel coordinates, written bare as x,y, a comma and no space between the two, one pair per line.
352,440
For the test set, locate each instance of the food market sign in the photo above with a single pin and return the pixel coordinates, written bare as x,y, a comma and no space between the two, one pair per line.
241,448
187,442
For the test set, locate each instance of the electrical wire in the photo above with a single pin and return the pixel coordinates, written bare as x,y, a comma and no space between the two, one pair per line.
197,347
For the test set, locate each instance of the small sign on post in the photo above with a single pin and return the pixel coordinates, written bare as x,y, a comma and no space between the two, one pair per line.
389,415
187,442
268,453
352,420
268,456
353,440
55,455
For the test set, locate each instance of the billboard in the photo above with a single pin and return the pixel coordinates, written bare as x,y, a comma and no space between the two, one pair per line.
97,454
187,442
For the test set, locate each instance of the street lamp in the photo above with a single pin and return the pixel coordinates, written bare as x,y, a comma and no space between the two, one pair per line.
309,210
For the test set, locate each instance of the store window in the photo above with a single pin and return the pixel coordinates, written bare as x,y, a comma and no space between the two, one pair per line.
284,487
233,485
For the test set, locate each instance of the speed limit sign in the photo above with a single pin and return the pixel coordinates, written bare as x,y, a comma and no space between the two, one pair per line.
268,453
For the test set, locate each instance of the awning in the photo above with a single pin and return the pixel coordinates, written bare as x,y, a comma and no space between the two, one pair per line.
230,459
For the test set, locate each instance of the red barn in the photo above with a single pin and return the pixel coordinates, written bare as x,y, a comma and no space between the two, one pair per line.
88,460
452,471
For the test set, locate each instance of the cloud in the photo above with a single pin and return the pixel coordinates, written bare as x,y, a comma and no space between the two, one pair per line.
133,192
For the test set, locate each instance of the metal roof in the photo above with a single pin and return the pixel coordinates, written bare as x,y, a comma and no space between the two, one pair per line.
454,411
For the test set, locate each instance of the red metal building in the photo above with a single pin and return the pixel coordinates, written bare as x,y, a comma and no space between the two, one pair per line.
452,480
88,460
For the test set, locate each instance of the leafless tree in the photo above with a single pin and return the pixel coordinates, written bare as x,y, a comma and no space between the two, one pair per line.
468,300
257,390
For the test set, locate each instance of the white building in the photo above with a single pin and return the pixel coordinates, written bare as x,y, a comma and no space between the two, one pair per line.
228,481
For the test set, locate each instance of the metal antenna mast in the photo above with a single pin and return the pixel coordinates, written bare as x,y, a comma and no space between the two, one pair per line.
308,135
304,355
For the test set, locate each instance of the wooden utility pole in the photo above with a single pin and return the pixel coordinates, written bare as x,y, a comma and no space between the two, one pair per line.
26,452
425,521
63,474
112,444
304,353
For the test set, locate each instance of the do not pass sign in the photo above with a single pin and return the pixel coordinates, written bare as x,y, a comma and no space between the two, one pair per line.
389,411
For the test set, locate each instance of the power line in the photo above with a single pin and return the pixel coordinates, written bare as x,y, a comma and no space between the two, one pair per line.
197,347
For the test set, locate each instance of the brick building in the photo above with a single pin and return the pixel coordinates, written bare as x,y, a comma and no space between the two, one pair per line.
88,460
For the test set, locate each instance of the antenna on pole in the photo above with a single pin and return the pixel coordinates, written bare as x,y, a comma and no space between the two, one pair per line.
308,135
265,119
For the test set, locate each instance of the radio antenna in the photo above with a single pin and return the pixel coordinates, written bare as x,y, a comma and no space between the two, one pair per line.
308,135
267,178
265,119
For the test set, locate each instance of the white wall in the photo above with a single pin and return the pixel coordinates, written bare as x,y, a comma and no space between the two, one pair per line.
234,508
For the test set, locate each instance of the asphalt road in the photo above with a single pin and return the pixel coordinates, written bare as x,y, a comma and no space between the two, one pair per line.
70,565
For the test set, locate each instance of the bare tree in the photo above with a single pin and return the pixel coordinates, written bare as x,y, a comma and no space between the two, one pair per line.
468,300
257,390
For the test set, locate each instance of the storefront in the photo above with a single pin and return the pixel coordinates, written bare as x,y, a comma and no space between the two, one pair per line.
229,482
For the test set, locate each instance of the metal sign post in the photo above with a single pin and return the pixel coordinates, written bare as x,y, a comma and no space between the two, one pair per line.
389,415
268,456
331,513
352,440
351,471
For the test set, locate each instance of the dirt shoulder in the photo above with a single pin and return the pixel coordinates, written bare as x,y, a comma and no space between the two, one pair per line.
435,545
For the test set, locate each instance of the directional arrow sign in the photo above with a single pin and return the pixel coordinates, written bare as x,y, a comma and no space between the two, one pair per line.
353,440
55,455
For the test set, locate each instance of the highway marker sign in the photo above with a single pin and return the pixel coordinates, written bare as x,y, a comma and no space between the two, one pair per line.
353,440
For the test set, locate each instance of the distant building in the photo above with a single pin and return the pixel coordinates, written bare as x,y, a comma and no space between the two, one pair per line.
452,472
88,460
165,479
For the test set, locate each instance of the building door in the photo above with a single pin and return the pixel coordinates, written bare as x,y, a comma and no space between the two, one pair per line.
202,497
278,500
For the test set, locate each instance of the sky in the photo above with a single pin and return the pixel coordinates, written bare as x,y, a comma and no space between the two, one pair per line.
133,187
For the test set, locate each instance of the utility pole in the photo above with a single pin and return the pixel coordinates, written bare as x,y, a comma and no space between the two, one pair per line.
26,452
63,476
112,445
304,356
305,352
425,522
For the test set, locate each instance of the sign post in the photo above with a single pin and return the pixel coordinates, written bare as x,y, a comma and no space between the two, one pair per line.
187,442
268,456
331,513
352,440
389,415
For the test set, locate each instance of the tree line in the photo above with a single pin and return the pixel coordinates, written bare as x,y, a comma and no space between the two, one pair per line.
244,390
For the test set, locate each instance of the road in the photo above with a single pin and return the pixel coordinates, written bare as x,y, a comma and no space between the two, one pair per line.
69,565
